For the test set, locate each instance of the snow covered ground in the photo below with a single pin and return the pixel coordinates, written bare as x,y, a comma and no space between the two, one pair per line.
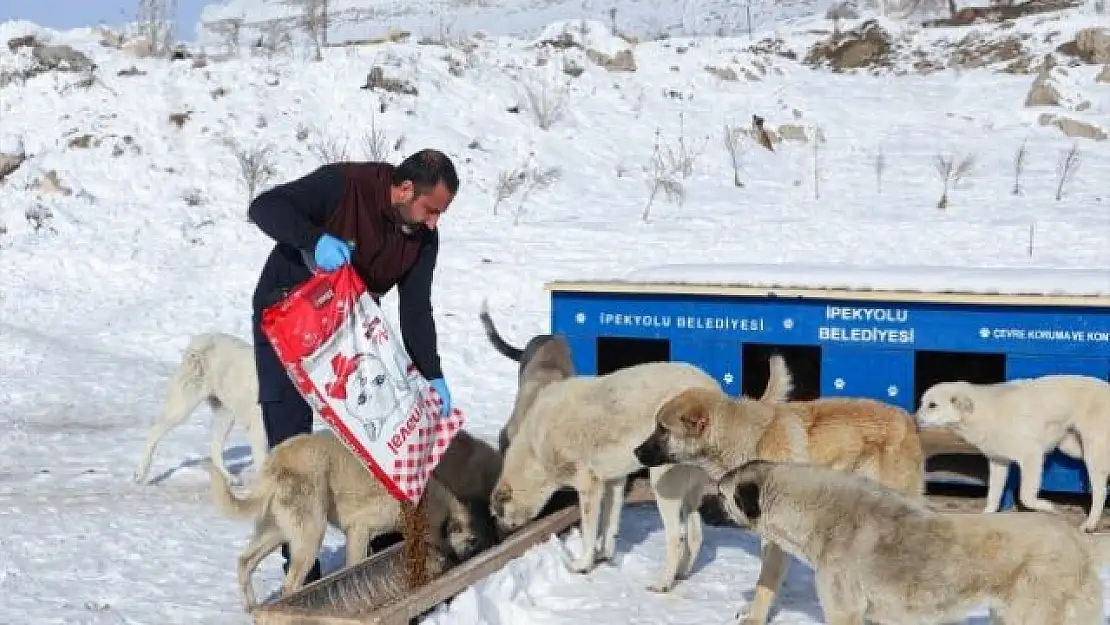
139,239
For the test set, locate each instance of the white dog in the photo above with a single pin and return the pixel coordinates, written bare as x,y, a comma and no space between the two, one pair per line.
217,368
581,432
1021,421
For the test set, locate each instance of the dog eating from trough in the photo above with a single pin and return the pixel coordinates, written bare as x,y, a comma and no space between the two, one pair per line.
883,556
312,480
545,359
580,432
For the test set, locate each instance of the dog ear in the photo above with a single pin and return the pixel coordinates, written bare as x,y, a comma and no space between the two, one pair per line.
688,411
963,403
746,498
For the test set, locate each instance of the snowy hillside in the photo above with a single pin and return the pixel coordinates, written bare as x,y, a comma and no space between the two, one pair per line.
123,230
362,19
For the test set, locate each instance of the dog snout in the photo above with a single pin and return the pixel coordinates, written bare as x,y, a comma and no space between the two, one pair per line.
650,453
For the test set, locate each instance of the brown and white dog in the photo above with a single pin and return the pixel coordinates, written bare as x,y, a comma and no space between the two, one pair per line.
718,433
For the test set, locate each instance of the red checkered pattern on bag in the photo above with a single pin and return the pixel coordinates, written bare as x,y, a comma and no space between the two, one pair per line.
425,447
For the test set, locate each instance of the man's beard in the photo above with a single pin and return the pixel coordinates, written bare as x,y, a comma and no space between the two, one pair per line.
404,211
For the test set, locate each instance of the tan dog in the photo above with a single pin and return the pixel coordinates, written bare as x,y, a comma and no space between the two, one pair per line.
718,433
880,555
1021,421
311,480
580,432
544,359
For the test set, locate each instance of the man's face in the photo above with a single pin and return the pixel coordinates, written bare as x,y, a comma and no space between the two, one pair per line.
423,209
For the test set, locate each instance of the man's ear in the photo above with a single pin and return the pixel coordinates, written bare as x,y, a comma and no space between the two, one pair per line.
746,498
408,191
963,403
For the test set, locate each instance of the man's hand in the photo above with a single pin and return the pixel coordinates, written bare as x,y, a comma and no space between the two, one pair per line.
331,253
441,388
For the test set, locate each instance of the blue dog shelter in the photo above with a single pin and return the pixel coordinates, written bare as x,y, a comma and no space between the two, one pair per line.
885,333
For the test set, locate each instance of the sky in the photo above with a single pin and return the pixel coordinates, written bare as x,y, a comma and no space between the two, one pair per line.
63,14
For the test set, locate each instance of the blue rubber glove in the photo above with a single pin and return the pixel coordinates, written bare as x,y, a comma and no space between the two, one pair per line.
441,387
331,253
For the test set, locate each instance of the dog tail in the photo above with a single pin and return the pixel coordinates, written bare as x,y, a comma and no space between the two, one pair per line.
249,507
500,344
191,370
780,383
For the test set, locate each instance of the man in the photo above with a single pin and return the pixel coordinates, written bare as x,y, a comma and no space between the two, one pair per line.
381,219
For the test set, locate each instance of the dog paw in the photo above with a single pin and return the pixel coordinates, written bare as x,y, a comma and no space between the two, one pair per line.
137,477
661,586
744,617
581,565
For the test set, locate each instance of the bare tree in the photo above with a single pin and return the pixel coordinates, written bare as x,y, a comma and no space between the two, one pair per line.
157,19
1019,166
1065,168
734,145
231,30
314,20
951,173
664,174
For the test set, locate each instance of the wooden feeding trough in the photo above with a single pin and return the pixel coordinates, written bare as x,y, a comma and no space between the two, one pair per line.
372,592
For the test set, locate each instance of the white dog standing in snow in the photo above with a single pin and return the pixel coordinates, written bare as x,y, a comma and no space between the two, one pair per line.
217,368
1021,421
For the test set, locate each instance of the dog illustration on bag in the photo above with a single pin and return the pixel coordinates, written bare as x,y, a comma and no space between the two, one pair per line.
355,388
361,366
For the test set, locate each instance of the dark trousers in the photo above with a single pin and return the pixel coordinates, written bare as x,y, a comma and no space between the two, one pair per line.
285,413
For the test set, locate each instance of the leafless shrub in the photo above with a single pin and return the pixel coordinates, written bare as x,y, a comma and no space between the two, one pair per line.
156,20
536,179
508,183
880,168
817,163
1019,166
256,165
734,145
1065,168
193,197
302,132
951,173
41,218
375,145
528,177
546,99
328,149
665,173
